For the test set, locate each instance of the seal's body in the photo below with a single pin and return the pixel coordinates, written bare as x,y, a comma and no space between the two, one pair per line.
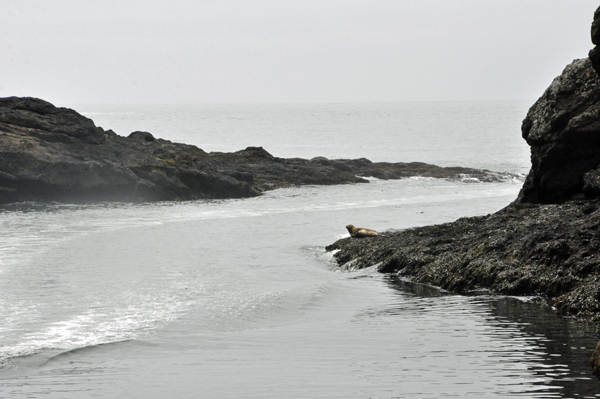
361,232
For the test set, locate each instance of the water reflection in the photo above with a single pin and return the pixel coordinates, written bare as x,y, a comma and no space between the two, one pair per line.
554,348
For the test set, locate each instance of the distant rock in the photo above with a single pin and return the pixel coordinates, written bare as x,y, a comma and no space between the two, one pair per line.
142,136
48,122
55,154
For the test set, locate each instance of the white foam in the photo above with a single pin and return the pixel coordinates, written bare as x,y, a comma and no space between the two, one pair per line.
141,316
369,178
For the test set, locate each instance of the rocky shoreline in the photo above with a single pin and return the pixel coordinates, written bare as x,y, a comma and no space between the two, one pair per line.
56,154
546,250
547,242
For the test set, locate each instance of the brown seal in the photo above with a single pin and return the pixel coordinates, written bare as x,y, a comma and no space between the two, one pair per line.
361,232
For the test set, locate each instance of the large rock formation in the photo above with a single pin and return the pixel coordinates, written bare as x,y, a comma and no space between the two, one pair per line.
563,130
55,154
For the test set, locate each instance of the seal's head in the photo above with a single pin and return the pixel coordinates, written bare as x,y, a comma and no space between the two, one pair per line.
351,229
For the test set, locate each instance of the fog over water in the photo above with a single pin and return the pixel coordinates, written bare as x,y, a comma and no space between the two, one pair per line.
235,51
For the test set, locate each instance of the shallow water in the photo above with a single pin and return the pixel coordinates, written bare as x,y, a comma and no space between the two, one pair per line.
237,298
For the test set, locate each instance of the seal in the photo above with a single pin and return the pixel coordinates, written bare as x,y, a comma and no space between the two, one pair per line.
361,232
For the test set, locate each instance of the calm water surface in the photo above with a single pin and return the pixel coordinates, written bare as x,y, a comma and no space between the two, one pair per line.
237,298
470,134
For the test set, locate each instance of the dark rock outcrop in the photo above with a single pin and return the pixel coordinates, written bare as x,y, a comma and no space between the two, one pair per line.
526,249
563,130
48,122
55,154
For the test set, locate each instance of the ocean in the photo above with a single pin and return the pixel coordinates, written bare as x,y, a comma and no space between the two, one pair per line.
238,298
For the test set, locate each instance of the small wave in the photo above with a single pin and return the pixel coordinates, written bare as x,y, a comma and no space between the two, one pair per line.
322,256
422,178
369,178
355,272
125,113
468,179
350,266
141,316
491,177
85,350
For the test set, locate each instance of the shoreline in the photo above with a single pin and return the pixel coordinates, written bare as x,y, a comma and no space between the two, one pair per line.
522,250
52,154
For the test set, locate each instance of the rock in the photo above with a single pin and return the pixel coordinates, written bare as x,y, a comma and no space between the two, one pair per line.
595,33
594,56
255,152
321,161
550,250
596,27
48,121
563,131
8,177
142,136
55,154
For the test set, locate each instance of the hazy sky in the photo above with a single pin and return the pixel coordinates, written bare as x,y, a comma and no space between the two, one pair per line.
200,51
